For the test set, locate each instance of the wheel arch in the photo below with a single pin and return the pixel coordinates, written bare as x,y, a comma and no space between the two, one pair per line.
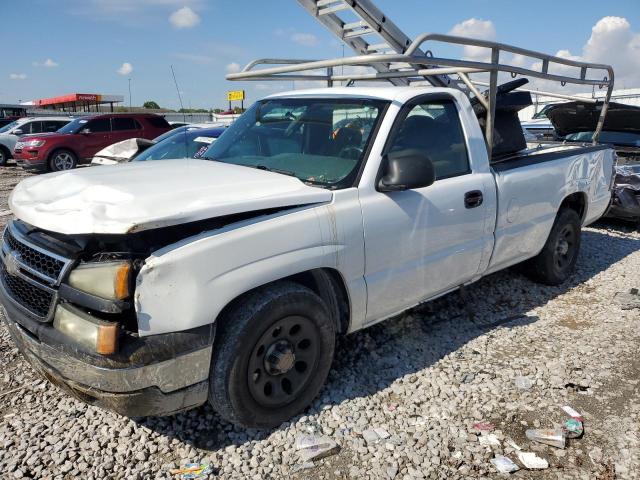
6,151
327,283
576,201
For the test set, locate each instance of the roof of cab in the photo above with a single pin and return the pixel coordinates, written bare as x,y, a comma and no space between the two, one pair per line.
381,93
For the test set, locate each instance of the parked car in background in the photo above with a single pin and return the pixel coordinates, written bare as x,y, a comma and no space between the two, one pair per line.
575,122
182,142
10,133
78,141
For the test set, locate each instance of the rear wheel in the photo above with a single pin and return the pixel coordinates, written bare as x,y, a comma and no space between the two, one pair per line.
556,261
272,355
62,160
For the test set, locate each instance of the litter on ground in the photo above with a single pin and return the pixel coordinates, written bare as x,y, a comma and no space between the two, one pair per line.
504,464
553,437
531,461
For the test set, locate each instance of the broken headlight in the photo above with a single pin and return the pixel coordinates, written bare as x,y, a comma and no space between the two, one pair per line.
108,280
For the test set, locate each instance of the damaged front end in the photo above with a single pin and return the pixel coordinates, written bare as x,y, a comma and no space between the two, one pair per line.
68,303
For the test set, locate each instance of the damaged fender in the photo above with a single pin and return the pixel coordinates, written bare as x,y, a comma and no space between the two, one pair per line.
187,284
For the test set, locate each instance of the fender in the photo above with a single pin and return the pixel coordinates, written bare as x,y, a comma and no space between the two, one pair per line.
188,283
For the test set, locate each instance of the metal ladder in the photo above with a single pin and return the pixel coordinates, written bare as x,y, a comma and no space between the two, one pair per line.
372,23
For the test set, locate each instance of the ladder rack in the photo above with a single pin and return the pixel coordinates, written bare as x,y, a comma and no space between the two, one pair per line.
421,65
369,32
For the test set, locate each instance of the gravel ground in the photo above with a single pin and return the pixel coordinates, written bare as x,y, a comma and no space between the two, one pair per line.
425,378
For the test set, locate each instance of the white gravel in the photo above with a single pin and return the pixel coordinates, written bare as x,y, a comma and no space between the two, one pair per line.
415,385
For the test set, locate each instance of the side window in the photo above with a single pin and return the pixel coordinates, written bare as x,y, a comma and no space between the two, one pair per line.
434,128
124,123
25,128
36,127
52,125
98,125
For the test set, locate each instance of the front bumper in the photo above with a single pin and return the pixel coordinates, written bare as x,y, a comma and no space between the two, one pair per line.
153,389
32,166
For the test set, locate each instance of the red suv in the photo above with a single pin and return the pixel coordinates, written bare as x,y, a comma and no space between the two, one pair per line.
79,140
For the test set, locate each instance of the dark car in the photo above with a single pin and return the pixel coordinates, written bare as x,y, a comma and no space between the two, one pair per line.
78,141
182,142
190,143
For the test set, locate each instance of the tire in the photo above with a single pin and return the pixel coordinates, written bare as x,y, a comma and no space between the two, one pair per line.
556,261
5,155
271,356
61,160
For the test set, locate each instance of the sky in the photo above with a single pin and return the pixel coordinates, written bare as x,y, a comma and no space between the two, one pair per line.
55,47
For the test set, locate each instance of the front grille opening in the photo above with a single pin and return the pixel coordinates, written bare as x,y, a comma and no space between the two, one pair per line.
46,265
36,300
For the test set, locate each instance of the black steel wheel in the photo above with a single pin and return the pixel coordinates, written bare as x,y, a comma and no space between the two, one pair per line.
558,257
273,351
283,360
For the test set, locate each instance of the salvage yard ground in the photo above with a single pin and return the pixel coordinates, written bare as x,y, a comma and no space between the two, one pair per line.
425,377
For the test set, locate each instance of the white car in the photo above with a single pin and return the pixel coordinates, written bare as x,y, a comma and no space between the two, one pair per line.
155,287
9,134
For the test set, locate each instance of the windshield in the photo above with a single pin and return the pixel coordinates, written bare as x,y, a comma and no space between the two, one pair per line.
542,113
186,144
319,141
73,126
8,127
627,139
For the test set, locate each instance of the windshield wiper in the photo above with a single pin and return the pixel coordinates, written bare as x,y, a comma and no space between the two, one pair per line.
275,170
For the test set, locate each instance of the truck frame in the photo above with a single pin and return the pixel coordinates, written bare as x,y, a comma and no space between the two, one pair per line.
153,288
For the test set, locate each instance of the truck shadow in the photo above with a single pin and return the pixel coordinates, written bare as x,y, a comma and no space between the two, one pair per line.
370,361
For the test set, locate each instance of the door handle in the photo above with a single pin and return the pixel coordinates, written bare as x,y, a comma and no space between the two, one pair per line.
473,199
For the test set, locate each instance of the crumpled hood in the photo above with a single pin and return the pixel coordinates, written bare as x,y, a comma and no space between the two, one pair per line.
144,195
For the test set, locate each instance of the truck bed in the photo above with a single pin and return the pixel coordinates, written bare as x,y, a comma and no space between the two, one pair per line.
540,152
532,184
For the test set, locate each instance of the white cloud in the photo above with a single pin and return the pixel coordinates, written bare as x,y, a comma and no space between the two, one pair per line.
184,18
233,67
18,76
612,42
475,28
125,69
48,63
305,39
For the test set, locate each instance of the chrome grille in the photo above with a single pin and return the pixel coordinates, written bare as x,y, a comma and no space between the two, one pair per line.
34,259
35,299
30,274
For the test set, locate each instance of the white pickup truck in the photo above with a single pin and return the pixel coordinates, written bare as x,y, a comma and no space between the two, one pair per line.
153,287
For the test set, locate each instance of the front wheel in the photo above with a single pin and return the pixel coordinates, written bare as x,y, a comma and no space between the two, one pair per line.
556,261
4,156
62,160
272,355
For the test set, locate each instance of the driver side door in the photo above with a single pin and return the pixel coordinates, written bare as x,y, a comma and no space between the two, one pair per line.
423,242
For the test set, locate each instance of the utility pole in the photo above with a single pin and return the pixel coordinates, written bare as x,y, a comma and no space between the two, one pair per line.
129,94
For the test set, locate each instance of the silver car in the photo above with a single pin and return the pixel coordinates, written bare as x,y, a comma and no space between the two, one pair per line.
10,133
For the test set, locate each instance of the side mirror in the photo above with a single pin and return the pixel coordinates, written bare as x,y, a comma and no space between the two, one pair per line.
406,170
85,131
18,131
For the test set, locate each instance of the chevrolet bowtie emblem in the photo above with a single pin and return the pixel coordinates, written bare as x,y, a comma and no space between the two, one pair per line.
11,263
